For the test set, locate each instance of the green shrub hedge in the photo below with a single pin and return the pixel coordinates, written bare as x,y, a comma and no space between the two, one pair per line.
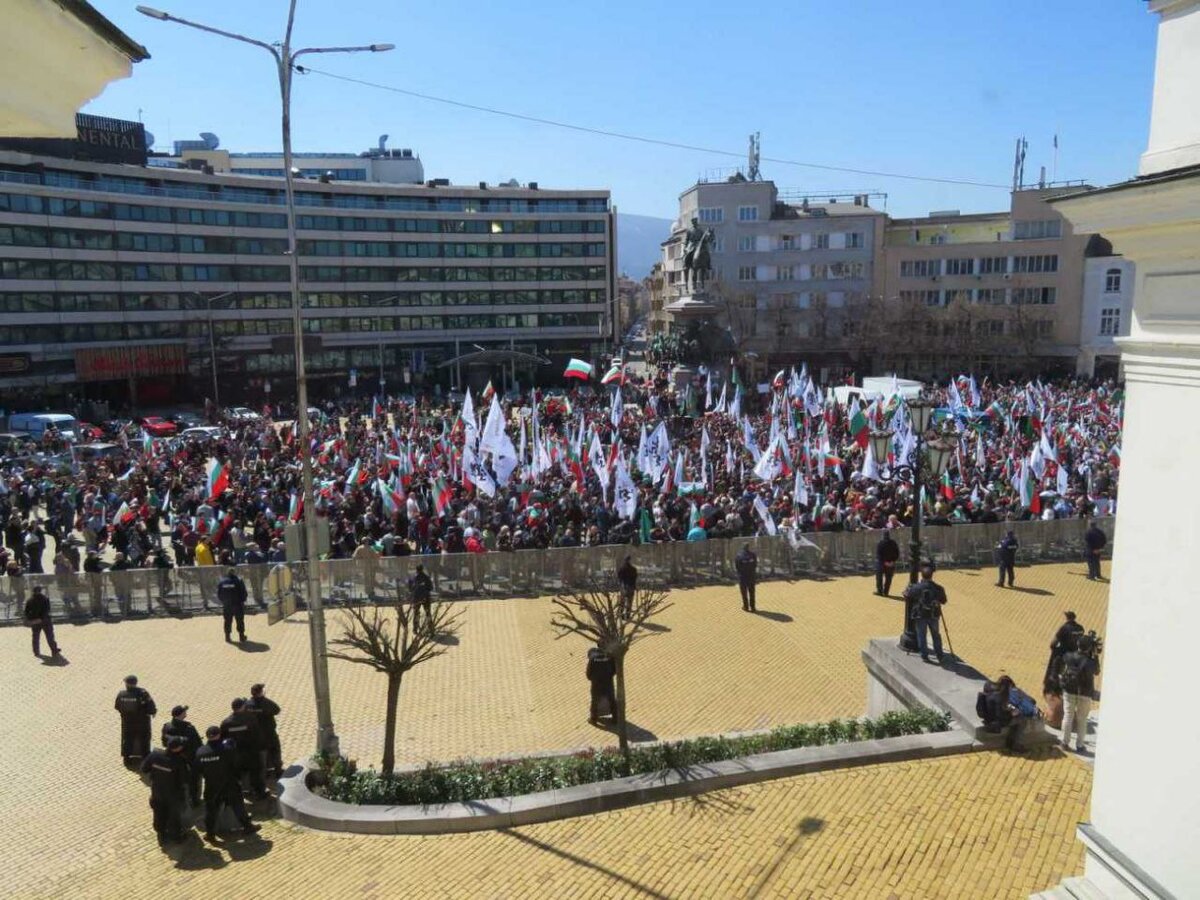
468,780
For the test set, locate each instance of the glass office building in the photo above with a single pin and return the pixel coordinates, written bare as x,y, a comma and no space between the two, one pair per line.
99,261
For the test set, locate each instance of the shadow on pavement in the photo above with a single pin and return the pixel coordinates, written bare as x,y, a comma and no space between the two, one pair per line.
654,626
804,828
774,616
643,889
252,646
55,661
1038,591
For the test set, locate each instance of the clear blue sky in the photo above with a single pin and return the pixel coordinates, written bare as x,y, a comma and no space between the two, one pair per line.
926,87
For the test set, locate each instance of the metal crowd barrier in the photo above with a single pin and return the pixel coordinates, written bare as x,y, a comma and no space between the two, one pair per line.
529,573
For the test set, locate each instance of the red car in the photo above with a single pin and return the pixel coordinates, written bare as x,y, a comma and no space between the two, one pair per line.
88,432
156,426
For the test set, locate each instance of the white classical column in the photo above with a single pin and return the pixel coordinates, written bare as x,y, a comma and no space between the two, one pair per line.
1143,839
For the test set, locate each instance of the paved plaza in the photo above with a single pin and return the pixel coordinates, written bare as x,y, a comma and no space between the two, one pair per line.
982,825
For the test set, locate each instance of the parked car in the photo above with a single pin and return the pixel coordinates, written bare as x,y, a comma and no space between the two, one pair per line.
242,414
15,446
157,426
201,433
89,432
98,450
185,419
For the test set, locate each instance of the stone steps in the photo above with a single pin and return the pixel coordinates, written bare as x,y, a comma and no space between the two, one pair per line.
1077,888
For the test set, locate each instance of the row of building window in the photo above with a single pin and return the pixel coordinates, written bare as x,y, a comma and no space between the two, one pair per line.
91,332
1029,296
62,270
43,302
84,239
128,212
988,265
825,240
834,271
218,192
338,174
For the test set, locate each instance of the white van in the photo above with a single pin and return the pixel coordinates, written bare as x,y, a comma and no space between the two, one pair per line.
34,424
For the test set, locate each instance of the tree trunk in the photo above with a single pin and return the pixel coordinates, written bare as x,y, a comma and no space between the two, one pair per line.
622,725
389,728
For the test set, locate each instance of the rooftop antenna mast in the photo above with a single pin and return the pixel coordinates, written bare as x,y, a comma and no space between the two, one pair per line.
1019,164
752,173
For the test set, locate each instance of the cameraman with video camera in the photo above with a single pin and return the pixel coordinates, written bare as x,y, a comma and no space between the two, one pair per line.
1077,677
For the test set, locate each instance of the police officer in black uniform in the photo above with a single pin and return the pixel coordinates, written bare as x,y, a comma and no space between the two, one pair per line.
746,564
265,710
1006,552
1094,540
180,727
217,762
420,587
168,776
37,617
887,551
627,577
601,670
231,591
136,706
241,727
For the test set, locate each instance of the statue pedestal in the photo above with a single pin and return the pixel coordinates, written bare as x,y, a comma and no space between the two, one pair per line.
694,305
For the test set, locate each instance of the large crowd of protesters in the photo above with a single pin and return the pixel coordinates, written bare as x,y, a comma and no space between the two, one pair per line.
633,460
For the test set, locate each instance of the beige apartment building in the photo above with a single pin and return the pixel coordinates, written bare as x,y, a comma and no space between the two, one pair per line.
993,292
790,277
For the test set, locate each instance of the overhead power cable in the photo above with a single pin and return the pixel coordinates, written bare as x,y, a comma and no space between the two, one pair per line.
676,145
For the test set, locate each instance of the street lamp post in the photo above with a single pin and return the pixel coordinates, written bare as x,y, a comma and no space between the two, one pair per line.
920,415
285,63
212,344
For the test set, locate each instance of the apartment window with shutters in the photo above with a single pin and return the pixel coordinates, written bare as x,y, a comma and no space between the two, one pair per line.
1112,282
746,243
747,273
787,242
785,273
1110,322
960,267
747,213
920,268
820,241
711,215
1036,296
1040,263
993,265
854,240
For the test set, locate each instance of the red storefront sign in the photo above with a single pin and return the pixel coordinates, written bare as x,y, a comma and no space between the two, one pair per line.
116,363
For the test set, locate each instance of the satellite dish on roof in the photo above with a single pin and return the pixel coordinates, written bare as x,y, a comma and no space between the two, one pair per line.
211,141
511,183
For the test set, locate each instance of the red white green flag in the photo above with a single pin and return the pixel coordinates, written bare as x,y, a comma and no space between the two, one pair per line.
218,478
441,494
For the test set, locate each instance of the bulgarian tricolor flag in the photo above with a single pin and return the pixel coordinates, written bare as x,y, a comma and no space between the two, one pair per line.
489,392
295,507
577,368
391,500
859,426
945,487
218,478
147,443
124,514
441,494
614,374
1114,455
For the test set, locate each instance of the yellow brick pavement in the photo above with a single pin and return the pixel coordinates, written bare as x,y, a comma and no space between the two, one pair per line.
975,826
509,686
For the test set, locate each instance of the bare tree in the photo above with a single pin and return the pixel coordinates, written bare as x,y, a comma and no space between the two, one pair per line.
389,639
600,614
